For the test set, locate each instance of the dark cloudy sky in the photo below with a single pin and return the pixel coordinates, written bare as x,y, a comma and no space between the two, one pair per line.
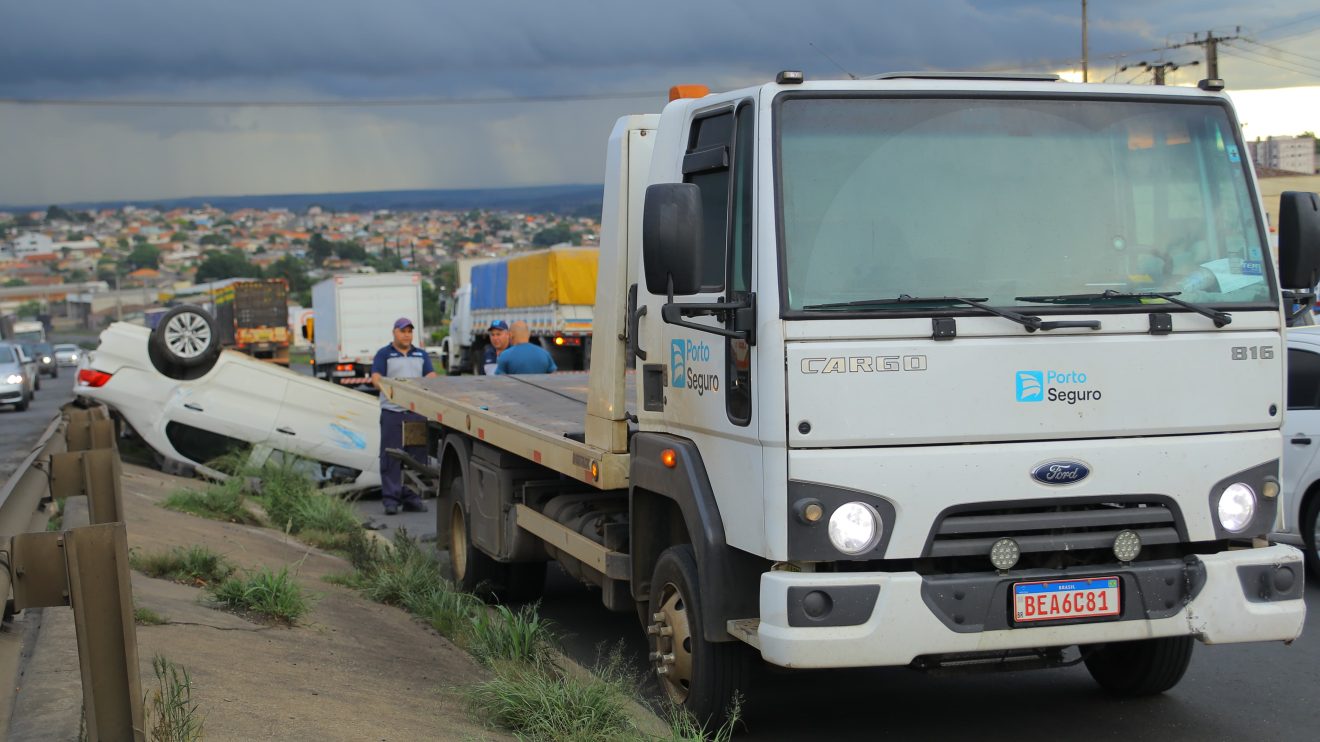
296,50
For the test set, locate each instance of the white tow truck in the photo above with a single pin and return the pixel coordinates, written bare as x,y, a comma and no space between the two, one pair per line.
928,370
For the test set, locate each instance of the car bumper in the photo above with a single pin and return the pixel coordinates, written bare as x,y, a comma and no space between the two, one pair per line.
1234,597
12,393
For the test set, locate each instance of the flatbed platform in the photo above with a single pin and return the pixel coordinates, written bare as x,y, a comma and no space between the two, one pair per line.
539,417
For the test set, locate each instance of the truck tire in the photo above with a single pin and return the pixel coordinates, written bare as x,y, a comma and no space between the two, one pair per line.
471,569
1140,668
703,677
1310,526
186,337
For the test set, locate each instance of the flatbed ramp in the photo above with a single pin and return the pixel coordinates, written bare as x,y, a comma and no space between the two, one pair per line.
541,418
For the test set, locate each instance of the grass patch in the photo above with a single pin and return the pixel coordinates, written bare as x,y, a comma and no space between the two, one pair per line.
218,502
505,635
56,522
537,703
196,565
143,616
273,595
172,714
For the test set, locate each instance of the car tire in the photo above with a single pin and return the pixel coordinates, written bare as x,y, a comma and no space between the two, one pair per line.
23,405
186,337
55,373
1309,524
1140,668
703,677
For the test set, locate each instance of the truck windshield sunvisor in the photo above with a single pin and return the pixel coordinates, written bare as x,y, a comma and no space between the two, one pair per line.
1003,198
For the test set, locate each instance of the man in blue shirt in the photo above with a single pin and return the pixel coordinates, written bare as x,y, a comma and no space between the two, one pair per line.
499,341
399,360
523,357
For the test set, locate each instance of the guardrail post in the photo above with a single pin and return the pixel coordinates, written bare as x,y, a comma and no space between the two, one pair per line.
94,473
87,568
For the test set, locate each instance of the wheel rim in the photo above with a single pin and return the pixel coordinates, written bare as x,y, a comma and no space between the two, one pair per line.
672,658
187,335
457,542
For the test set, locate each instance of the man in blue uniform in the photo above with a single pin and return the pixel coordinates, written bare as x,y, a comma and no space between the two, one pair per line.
399,360
499,340
523,357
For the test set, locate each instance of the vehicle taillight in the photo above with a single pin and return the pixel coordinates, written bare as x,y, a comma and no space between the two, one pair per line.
344,367
92,377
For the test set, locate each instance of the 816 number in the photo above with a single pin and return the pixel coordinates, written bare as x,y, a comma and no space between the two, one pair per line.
1253,352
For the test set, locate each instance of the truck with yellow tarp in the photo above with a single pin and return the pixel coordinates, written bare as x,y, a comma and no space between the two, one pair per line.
552,290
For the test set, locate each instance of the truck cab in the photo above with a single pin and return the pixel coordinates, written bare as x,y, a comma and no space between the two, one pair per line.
930,371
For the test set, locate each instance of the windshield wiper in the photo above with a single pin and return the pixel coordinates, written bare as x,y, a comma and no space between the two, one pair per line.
1220,318
1031,322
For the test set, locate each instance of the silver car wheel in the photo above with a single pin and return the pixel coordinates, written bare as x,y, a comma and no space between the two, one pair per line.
188,335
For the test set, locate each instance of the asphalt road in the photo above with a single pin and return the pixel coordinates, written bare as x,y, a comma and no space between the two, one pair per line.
1231,692
19,431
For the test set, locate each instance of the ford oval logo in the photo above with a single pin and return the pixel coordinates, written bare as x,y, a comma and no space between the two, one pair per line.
1060,472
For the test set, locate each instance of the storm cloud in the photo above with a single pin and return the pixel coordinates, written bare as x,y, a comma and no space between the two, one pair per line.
413,49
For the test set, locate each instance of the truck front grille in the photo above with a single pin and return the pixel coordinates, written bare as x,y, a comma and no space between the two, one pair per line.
1051,528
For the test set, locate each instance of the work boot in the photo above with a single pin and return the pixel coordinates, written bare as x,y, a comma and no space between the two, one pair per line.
391,509
414,506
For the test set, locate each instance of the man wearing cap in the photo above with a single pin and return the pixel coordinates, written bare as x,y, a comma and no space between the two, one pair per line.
499,340
398,360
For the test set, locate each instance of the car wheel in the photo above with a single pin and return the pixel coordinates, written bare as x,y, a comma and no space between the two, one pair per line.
23,405
1140,668
703,677
36,382
186,337
1310,526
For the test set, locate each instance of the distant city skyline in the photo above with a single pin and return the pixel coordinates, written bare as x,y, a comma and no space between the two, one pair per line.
567,70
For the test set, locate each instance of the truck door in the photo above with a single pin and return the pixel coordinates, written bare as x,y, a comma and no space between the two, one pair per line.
708,387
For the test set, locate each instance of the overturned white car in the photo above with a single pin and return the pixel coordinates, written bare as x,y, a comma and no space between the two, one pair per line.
192,403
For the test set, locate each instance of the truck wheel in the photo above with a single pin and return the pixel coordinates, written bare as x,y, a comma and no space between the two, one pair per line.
186,337
1141,668
471,569
1310,526
703,677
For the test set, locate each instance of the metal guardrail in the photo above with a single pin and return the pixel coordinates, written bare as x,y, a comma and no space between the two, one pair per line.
85,568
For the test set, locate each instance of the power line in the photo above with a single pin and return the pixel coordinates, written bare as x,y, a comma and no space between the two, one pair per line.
1285,24
363,103
1242,54
1282,50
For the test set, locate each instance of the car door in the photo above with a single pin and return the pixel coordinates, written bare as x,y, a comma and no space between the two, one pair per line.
708,395
238,399
1301,429
324,423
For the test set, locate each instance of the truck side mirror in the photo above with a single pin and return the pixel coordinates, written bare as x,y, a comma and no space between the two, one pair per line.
671,238
1299,240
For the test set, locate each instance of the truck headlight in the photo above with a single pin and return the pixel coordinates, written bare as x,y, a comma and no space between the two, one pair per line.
855,527
1236,506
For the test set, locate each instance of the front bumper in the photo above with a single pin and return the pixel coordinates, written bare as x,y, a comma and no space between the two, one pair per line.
12,393
1229,598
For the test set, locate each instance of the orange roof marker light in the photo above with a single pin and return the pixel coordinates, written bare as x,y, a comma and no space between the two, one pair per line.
669,458
688,91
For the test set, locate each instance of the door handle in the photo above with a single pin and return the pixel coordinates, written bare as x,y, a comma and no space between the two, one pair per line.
1300,440
635,314
286,431
193,406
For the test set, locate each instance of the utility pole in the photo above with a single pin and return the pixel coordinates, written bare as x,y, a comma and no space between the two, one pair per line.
1084,50
1161,69
1211,44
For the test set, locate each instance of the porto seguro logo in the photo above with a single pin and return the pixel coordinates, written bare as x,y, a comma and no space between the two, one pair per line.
1055,386
686,359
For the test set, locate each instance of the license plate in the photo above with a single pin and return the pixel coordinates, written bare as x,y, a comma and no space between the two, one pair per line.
341,373
1091,597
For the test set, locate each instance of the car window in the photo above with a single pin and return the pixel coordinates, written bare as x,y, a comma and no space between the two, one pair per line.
201,446
6,354
1303,380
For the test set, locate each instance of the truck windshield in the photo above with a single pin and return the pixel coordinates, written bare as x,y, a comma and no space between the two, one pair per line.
1005,198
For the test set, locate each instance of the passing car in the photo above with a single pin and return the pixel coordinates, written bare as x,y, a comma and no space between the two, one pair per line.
29,355
67,354
16,377
1299,511
45,354
193,403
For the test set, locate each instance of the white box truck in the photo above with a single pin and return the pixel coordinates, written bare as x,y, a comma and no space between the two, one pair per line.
354,314
937,371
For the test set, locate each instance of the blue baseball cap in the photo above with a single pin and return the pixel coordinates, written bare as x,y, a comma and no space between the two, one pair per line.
499,324
402,322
